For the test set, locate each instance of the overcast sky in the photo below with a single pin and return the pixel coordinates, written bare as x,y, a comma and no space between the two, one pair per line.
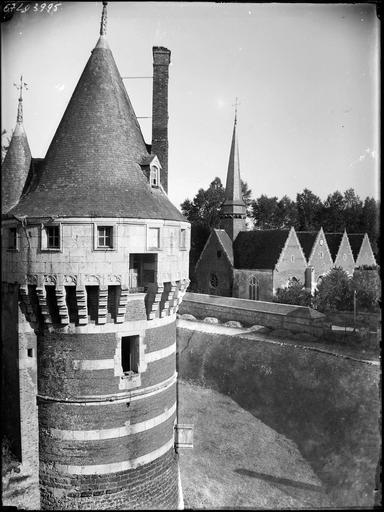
306,76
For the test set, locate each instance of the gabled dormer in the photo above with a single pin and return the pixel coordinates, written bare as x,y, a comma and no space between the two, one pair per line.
152,170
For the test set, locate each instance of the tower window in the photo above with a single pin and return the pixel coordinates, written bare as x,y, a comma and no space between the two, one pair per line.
183,238
153,238
130,354
53,237
12,239
105,237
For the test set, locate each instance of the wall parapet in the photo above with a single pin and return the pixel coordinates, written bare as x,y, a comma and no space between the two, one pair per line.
250,312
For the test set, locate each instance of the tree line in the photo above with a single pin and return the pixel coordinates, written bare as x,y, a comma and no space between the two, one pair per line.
307,212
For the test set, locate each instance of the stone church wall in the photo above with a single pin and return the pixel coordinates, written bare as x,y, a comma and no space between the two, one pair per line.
241,280
214,261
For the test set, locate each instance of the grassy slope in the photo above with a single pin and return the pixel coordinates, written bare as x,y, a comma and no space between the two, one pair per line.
238,461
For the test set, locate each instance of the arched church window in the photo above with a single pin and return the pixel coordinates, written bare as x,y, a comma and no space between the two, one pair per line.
214,280
253,288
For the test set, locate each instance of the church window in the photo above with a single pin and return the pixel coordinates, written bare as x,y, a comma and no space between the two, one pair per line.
321,254
130,354
12,239
183,239
214,280
153,238
253,288
105,237
53,237
292,258
218,254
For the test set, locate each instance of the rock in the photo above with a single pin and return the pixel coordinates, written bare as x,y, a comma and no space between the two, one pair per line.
210,320
186,316
233,323
262,329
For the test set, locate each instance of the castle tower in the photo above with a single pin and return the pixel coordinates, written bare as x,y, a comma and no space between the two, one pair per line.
17,161
233,210
161,61
100,268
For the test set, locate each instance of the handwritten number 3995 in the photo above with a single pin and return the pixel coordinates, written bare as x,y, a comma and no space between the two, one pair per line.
47,7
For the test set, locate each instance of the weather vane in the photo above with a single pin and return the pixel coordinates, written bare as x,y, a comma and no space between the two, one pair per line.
20,88
236,104
103,24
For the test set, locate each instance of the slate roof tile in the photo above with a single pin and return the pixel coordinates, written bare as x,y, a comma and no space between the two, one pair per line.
258,249
92,166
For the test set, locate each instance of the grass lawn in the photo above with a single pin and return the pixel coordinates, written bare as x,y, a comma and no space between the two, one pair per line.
238,461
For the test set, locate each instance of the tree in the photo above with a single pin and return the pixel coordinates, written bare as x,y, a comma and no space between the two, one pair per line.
353,211
370,221
264,212
205,207
309,208
334,292
295,293
332,216
286,215
367,285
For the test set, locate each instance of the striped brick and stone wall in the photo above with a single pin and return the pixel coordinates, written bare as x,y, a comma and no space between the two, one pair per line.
105,435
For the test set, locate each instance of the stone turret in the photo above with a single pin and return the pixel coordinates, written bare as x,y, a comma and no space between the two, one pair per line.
100,268
233,209
17,161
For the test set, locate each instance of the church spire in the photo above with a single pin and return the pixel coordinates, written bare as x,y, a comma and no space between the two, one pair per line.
103,24
233,209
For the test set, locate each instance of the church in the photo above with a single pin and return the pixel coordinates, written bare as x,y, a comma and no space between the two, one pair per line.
254,264
94,267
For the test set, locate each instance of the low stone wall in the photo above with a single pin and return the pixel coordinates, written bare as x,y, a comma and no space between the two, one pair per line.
250,312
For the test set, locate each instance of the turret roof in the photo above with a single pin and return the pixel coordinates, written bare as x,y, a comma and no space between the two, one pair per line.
92,167
16,164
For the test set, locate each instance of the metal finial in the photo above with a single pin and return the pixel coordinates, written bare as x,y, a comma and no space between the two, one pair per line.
103,24
20,88
236,104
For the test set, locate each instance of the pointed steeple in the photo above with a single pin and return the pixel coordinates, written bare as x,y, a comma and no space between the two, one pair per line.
17,161
233,210
93,164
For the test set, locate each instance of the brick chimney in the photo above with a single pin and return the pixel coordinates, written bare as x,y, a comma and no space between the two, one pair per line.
161,61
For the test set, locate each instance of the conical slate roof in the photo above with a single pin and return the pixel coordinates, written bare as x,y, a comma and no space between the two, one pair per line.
92,167
233,194
16,164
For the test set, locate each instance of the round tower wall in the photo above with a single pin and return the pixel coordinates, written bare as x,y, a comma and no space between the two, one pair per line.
106,355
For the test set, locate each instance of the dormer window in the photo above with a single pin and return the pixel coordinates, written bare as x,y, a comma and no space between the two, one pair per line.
154,176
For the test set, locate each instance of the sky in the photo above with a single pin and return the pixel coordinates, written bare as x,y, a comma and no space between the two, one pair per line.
306,77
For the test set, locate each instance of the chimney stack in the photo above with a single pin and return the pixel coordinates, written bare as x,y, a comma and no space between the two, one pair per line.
161,61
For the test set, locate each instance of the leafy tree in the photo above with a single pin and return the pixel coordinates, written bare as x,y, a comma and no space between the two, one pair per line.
332,216
286,215
205,206
334,292
295,293
309,207
366,283
370,221
264,212
353,211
